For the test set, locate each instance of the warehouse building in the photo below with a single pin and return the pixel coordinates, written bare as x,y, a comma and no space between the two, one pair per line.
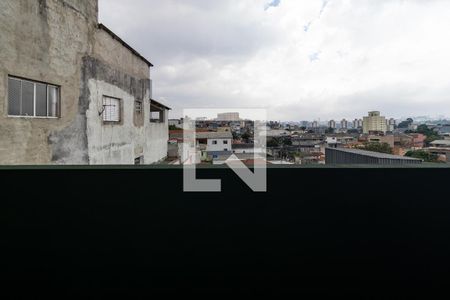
342,156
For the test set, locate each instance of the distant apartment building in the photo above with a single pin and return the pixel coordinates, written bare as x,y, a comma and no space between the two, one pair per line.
344,124
357,123
231,116
391,123
332,124
304,123
315,124
73,92
374,123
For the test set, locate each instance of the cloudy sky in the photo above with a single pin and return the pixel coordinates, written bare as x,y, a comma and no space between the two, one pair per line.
300,59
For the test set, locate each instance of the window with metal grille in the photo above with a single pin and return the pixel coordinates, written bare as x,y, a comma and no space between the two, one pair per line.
27,98
111,110
138,107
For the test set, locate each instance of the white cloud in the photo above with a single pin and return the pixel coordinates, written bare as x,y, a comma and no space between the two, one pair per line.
300,59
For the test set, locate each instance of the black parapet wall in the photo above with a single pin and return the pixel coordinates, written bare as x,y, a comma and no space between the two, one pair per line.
134,231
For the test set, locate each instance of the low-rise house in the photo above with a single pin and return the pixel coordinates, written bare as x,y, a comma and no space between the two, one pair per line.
246,148
215,142
209,144
410,140
371,138
441,144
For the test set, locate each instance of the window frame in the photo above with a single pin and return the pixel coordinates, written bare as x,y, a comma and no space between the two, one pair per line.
162,114
141,107
120,122
34,82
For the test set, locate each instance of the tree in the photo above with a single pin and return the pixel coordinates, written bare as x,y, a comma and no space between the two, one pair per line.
273,143
379,147
424,155
405,124
353,131
329,130
428,132
246,135
287,142
173,127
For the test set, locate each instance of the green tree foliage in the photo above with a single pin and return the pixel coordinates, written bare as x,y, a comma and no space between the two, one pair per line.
246,135
405,124
424,155
379,147
353,131
279,141
429,133
173,127
329,130
274,142
287,142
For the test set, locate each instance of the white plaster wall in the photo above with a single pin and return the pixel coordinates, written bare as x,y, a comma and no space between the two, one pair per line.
157,138
247,151
120,144
220,145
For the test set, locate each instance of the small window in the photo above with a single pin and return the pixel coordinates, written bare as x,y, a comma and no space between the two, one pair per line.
139,161
27,98
111,110
156,117
138,107
214,142
225,142
157,113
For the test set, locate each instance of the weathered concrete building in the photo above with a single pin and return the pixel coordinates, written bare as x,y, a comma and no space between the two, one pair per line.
71,91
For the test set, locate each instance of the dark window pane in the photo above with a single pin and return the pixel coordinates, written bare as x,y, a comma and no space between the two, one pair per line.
41,100
53,101
27,98
13,97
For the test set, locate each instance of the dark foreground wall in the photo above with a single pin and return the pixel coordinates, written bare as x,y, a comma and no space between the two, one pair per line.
136,232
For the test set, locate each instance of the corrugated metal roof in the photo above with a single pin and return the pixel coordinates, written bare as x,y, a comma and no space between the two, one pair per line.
441,142
374,154
214,135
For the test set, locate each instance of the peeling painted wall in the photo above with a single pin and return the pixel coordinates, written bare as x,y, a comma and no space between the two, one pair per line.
59,42
45,41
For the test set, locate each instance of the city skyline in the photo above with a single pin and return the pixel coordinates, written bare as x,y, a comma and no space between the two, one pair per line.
298,59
